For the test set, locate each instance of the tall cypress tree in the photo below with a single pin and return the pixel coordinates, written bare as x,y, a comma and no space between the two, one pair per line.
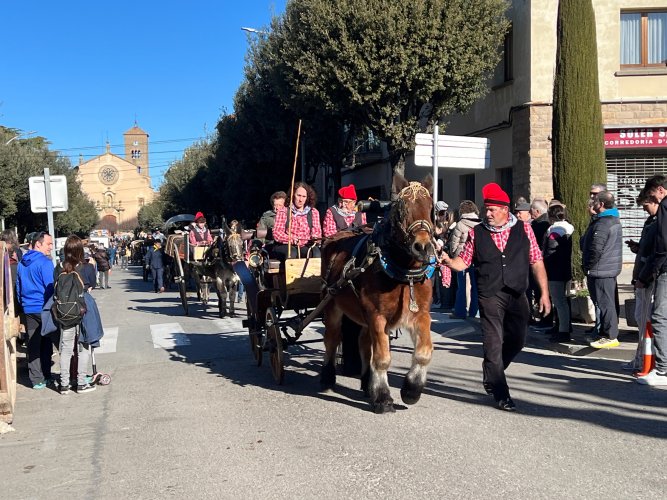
577,147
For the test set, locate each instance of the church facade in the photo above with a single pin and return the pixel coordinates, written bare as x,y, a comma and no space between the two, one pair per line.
118,186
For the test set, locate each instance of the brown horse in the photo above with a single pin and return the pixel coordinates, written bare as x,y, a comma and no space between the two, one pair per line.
393,292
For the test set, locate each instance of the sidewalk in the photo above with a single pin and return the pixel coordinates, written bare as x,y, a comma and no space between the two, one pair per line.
539,339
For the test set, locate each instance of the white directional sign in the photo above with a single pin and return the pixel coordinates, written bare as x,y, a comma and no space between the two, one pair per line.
38,197
453,151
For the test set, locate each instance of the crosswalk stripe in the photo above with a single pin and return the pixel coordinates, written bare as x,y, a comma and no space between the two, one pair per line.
230,325
168,335
109,341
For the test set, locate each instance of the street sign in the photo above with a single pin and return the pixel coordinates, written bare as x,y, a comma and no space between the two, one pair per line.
453,151
38,198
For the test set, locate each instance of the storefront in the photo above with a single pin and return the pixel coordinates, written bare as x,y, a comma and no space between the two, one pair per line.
633,154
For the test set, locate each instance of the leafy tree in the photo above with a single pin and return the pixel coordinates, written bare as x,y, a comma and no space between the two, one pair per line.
577,146
151,215
385,65
24,158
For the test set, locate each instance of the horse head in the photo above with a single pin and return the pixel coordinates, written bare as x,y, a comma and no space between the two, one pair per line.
234,242
411,217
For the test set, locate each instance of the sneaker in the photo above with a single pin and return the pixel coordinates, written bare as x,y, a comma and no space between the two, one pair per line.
64,389
85,388
605,343
653,378
89,379
506,404
39,385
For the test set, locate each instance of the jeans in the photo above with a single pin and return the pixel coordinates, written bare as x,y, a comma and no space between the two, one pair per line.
157,274
461,307
602,292
123,261
67,346
558,292
239,295
103,279
40,349
643,305
659,321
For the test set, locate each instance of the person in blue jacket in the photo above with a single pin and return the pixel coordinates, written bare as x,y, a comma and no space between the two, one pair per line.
34,286
155,261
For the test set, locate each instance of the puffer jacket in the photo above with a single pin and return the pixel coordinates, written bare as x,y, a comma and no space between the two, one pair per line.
646,249
601,246
557,251
459,235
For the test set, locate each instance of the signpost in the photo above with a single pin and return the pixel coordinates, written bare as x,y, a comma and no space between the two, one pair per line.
48,194
451,151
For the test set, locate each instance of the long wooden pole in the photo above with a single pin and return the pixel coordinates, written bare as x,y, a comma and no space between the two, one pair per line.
289,209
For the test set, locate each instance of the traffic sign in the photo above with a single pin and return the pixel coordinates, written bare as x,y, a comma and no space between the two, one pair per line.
453,151
38,198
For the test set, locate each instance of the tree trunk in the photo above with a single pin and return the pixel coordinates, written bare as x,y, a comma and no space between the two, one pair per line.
577,147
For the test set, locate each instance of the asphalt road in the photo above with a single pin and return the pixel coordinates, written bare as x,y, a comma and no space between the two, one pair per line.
188,414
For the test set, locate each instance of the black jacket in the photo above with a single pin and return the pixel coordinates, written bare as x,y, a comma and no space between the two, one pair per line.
601,246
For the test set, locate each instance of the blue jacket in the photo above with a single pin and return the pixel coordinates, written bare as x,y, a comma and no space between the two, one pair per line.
34,281
91,325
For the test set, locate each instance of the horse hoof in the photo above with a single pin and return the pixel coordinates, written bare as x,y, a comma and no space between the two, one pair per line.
328,377
381,407
410,395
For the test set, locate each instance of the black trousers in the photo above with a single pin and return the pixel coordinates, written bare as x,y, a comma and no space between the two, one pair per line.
40,349
504,321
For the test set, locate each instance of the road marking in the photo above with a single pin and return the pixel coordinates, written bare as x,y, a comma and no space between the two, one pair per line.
230,325
168,336
109,341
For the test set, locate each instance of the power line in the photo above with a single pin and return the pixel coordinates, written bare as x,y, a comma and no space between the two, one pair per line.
166,141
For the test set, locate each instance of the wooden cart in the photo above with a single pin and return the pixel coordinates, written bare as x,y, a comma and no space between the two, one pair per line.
9,330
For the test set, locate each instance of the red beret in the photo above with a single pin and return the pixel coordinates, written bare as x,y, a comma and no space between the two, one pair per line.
493,194
348,192
199,215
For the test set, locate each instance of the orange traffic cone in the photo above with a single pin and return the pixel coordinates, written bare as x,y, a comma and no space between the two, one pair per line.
649,359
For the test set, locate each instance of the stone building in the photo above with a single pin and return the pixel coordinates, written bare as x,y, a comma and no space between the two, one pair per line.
516,113
119,187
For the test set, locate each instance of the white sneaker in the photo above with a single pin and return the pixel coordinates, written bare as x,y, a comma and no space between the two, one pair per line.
653,378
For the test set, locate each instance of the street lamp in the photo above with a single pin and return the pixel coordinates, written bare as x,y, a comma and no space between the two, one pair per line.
20,135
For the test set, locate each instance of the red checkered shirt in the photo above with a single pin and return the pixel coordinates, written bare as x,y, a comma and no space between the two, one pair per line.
330,227
500,239
301,232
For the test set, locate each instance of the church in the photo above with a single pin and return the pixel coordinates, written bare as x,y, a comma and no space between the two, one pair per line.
119,187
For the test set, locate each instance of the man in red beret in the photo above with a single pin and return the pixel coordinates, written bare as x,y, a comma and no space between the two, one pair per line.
343,216
503,249
199,234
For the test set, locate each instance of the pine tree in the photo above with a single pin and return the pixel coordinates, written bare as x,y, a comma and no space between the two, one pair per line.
578,148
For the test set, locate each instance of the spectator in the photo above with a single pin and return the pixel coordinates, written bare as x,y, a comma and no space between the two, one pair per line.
602,261
656,269
34,285
122,253
644,249
557,251
540,224
103,267
155,262
465,303
522,211
70,337
503,250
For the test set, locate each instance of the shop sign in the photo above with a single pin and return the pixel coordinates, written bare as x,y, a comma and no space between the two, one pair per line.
645,137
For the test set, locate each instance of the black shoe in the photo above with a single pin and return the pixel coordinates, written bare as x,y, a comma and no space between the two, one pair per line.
560,337
506,405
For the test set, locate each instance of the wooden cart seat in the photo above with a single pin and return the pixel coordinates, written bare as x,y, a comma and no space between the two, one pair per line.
180,244
200,251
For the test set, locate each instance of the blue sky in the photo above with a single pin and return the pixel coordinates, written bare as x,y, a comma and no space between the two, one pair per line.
78,72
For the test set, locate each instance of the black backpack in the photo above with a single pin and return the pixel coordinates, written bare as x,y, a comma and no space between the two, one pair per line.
69,305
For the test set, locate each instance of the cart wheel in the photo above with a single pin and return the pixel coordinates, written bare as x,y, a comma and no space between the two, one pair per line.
182,288
275,345
255,336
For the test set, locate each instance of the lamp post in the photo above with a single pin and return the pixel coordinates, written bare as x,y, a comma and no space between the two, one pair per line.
18,136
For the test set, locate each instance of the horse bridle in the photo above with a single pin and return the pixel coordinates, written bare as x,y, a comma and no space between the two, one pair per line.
411,192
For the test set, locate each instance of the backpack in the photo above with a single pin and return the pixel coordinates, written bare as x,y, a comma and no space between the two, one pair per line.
69,305
122,252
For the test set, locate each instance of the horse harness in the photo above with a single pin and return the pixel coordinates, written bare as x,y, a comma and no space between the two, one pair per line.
373,247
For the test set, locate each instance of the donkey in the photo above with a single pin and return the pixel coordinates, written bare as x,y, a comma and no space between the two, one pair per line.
394,292
219,259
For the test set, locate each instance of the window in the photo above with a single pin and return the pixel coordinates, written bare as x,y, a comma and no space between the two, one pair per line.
508,60
504,177
643,39
136,153
467,187
141,202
